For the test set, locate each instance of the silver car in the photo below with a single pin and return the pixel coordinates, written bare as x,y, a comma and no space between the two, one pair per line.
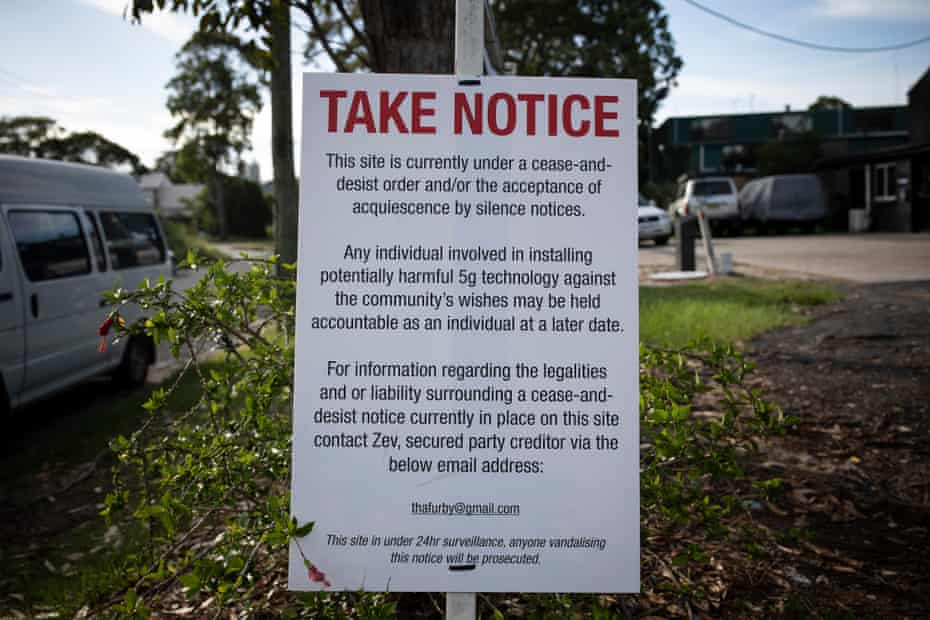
654,223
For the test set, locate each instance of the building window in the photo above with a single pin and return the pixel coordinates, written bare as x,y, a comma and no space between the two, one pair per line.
737,158
710,157
710,129
884,182
875,120
787,125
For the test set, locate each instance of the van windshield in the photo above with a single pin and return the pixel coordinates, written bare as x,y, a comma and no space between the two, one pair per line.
711,188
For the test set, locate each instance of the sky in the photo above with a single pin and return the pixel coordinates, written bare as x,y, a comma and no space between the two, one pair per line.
81,63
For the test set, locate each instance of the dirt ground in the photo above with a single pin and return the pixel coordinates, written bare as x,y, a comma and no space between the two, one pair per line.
857,463
856,467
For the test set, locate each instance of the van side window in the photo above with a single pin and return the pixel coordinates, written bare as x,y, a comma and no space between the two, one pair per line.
51,244
132,239
95,240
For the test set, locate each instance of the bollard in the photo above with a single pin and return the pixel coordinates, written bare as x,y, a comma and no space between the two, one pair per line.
686,229
726,263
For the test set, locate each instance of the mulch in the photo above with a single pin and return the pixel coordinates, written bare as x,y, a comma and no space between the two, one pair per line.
857,462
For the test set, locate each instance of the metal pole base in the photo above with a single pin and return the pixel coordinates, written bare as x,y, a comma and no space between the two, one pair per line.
461,606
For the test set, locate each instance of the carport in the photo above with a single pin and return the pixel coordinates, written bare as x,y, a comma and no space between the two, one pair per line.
890,186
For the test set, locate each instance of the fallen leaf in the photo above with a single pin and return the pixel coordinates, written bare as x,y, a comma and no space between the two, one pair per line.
775,509
181,611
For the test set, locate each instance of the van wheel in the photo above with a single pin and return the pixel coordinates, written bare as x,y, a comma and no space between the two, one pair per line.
134,367
661,240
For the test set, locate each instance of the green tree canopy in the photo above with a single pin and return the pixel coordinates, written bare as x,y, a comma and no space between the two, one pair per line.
215,97
797,155
587,38
39,136
337,32
25,135
90,147
268,24
828,102
185,165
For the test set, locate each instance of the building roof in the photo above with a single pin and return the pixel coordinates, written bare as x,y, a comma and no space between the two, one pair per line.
847,124
153,180
172,198
783,112
879,155
923,80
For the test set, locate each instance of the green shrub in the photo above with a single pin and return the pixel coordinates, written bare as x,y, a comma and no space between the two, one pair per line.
209,485
182,238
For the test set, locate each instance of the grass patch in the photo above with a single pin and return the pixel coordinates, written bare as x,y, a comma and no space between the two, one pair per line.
181,238
725,310
93,412
251,243
68,554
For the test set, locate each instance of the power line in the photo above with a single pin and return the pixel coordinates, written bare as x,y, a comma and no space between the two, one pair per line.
808,44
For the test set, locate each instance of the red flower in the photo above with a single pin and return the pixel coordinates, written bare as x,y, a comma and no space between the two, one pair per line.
317,575
102,331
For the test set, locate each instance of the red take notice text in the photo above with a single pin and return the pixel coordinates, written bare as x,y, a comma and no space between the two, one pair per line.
473,113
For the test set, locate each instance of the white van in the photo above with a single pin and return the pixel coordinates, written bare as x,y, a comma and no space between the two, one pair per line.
68,234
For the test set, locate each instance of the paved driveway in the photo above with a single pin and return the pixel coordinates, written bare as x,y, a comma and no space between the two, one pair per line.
876,257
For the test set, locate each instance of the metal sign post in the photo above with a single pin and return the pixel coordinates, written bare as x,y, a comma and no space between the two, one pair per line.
469,63
708,242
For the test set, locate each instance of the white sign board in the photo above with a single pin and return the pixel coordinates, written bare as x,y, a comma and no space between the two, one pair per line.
466,389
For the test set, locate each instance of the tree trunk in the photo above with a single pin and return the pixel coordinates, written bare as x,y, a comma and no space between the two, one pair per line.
410,36
222,221
282,137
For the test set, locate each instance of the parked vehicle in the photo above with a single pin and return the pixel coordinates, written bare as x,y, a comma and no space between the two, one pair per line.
715,196
68,234
784,200
654,223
